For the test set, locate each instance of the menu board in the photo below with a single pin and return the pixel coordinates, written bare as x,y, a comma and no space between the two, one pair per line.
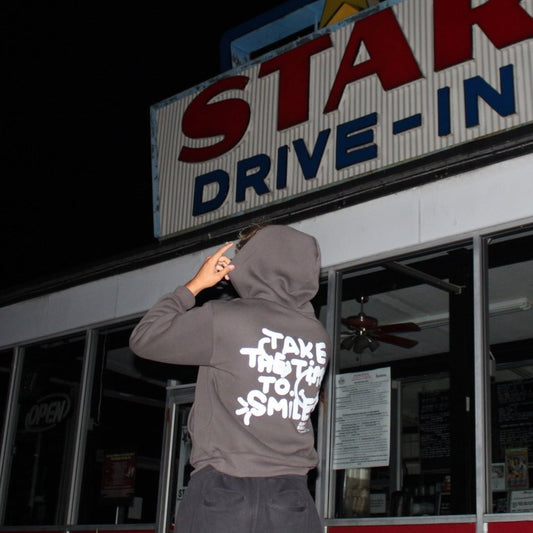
362,420
512,416
434,420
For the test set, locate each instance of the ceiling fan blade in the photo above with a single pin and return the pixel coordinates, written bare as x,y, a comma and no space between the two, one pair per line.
348,342
360,321
399,328
393,339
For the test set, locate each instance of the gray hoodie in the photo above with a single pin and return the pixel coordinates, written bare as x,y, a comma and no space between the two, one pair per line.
262,358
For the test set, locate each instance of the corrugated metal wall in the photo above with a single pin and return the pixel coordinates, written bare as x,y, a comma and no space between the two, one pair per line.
417,99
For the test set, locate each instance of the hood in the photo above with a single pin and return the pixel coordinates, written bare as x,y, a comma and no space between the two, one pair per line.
278,264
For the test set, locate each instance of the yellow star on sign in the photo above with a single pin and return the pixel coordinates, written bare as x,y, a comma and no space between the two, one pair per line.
335,10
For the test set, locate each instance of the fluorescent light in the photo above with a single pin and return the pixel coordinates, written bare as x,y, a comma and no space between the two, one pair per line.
495,309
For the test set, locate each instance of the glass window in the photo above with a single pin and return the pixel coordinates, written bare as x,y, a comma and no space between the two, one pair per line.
125,434
45,430
6,358
403,438
510,289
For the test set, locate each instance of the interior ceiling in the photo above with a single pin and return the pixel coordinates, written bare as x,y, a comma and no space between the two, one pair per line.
393,299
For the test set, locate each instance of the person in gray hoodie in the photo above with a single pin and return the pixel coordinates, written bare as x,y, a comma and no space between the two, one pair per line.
261,358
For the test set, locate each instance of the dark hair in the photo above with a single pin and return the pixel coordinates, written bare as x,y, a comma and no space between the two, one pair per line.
246,234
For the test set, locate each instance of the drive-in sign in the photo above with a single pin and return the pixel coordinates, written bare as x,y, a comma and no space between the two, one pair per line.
406,81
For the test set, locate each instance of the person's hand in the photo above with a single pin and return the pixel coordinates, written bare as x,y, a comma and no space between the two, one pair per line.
215,267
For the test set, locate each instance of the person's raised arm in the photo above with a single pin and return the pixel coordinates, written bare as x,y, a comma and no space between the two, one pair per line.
168,332
214,268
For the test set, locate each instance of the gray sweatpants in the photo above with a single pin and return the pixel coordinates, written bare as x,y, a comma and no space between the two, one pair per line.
218,503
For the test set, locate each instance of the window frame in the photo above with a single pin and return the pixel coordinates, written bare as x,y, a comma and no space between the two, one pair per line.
327,488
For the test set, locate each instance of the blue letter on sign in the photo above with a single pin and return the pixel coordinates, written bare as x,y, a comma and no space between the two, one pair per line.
503,103
311,162
199,205
348,142
260,164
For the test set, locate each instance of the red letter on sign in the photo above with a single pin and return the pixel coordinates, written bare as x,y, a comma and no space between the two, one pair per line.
228,118
293,88
390,56
504,22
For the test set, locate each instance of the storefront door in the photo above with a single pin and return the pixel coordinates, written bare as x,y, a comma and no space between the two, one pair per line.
175,467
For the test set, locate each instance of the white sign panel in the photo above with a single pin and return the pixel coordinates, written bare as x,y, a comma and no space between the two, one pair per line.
411,79
362,419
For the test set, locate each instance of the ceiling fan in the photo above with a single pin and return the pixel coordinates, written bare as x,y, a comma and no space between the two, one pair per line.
365,332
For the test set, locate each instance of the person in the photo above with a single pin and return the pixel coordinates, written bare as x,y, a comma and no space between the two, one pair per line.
261,358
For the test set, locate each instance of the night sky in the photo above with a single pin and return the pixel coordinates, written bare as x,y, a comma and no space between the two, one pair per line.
79,80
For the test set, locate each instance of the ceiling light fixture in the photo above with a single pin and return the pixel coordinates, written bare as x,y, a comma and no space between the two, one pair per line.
504,307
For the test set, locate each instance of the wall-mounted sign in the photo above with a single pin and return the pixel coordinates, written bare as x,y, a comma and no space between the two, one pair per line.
47,412
118,476
513,416
434,423
410,79
362,419
516,468
521,501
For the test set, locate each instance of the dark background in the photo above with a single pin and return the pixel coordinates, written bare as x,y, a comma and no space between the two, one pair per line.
79,80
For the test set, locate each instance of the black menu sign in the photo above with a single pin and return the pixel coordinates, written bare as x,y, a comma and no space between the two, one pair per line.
513,416
434,420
